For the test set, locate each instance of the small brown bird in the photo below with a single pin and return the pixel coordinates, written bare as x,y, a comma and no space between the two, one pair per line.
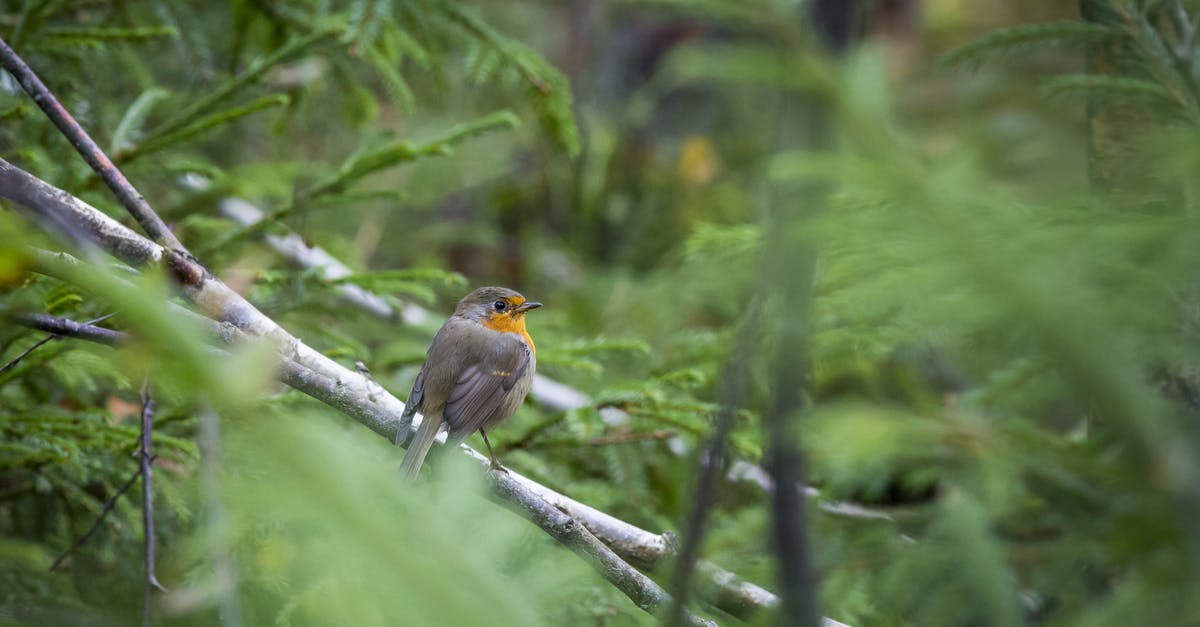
476,373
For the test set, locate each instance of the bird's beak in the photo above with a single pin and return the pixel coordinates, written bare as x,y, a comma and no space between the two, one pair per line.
526,306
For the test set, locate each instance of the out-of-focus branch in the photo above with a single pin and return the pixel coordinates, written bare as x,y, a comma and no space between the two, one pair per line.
745,471
91,152
25,353
293,248
145,460
735,377
316,375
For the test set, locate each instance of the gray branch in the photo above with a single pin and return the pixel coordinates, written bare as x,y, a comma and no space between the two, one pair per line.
70,328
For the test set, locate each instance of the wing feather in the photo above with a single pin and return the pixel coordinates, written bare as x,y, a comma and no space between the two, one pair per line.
482,390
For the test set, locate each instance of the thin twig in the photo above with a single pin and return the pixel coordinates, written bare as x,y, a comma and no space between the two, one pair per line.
88,149
146,458
25,353
108,507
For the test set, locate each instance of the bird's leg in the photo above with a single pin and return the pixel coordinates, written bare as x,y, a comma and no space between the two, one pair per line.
495,462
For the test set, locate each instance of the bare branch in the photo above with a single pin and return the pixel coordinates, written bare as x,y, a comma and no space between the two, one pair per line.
145,459
88,149
745,471
56,327
735,596
62,326
25,353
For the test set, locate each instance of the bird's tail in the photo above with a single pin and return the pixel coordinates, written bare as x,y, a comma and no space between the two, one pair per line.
418,448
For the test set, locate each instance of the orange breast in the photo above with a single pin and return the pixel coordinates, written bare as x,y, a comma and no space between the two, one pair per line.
506,323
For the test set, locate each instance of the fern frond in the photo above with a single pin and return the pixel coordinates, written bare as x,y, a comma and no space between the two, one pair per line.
1117,86
386,66
710,241
135,116
1073,31
364,14
549,88
204,124
414,283
407,45
96,36
288,51
395,153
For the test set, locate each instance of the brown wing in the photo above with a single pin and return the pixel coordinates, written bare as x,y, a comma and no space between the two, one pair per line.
415,398
482,392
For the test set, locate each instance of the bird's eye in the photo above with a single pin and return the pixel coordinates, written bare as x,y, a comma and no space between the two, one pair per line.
499,305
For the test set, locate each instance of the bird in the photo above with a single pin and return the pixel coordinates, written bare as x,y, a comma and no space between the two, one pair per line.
477,372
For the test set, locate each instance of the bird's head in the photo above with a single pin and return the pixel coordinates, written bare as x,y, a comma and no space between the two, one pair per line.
497,308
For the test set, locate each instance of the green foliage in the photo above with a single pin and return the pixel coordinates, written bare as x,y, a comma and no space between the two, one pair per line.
367,161
412,284
337,541
1002,362
1029,35
548,87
